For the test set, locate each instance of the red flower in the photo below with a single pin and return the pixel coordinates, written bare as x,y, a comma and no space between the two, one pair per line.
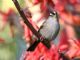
42,53
74,48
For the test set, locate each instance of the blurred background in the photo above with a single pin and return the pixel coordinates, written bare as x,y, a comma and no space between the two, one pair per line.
12,43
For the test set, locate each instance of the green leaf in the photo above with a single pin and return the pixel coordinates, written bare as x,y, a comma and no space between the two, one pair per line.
0,3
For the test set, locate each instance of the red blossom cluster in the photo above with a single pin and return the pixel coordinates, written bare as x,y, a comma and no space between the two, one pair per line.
42,53
69,45
68,11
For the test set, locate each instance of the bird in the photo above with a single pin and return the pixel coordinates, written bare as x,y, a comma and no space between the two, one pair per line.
49,31
50,28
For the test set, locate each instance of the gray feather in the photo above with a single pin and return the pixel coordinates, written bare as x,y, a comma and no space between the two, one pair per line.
50,27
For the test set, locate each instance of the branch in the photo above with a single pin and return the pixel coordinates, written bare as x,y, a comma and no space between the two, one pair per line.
40,38
25,19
